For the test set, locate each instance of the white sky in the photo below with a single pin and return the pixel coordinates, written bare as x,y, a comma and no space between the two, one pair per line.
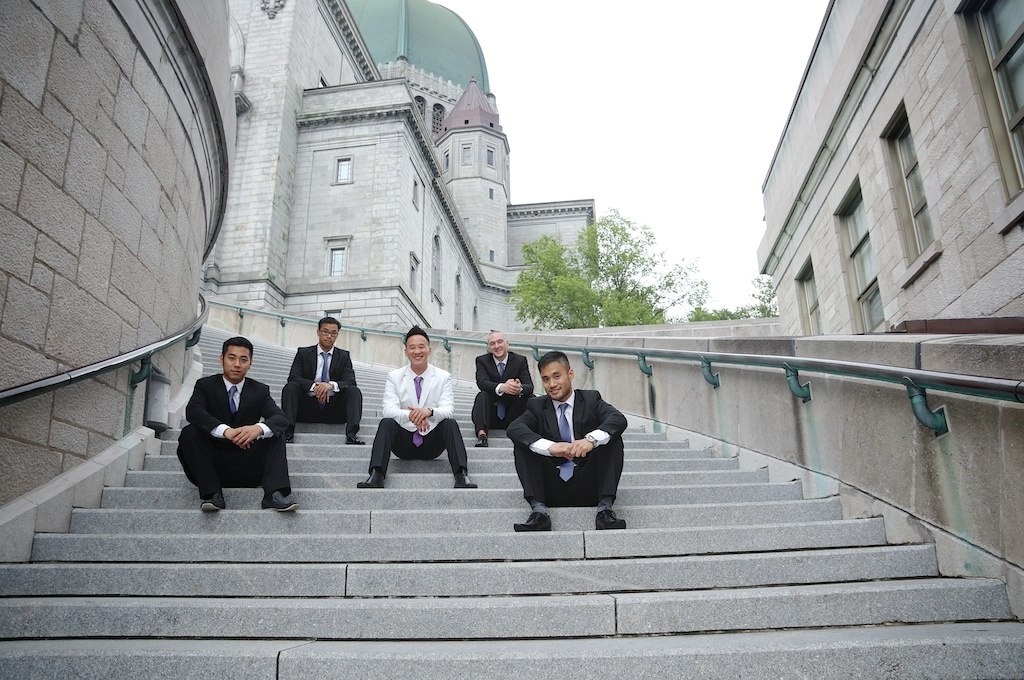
667,110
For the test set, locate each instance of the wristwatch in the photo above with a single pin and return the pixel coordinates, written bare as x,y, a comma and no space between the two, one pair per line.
592,439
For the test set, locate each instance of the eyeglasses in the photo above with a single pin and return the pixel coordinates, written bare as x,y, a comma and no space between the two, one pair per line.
332,334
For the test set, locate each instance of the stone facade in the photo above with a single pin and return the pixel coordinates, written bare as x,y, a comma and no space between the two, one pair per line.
878,71
113,165
420,236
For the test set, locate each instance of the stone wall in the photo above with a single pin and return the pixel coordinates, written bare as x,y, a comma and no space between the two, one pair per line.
113,164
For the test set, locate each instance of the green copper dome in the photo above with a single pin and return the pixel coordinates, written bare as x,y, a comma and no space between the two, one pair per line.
429,36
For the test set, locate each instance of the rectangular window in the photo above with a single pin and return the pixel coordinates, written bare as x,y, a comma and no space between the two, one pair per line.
1002,28
416,193
490,193
467,155
809,300
337,261
447,160
323,82
916,220
855,224
343,171
414,265
492,256
490,158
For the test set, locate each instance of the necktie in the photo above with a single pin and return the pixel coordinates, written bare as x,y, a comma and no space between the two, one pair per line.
501,374
566,469
417,438
232,406
324,377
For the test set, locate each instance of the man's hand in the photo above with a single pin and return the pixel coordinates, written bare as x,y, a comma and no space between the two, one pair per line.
323,391
511,386
420,417
580,448
561,450
244,436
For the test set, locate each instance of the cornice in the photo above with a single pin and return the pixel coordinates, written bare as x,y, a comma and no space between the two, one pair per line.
347,26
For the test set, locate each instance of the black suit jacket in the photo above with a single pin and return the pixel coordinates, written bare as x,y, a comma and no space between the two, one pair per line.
208,406
590,412
516,366
303,369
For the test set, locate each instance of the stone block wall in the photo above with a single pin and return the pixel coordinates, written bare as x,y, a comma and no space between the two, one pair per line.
113,162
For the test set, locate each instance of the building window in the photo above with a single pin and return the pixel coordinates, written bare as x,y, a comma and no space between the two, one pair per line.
447,160
323,82
438,119
865,273
435,274
467,155
343,171
917,222
337,255
491,255
809,300
490,193
421,106
416,193
458,301
414,266
490,158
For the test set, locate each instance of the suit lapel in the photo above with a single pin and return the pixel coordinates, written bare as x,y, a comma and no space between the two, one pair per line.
551,421
578,413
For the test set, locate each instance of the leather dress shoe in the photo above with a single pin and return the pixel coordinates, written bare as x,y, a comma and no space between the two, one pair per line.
537,521
278,501
481,442
213,502
462,480
289,437
606,519
352,439
374,481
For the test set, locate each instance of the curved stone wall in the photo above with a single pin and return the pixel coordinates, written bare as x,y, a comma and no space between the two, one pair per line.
116,126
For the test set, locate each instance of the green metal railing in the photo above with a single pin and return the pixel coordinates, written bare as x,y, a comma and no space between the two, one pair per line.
916,381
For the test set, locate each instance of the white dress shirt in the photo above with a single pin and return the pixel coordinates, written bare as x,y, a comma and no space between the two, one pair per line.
320,351
543,446
437,392
218,431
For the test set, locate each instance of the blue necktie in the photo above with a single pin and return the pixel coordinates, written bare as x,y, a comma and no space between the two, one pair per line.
417,437
566,469
501,374
232,406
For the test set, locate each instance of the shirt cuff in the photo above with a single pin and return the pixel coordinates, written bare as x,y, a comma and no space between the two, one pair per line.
497,389
218,431
541,446
267,432
601,436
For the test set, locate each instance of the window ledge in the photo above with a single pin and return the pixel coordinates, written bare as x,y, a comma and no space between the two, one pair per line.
918,266
1011,216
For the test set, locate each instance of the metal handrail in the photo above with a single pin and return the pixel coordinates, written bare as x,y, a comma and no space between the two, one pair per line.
38,387
980,386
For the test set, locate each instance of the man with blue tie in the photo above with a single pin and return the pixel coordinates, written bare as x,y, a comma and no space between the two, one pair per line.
225,443
568,449
505,384
321,385
418,422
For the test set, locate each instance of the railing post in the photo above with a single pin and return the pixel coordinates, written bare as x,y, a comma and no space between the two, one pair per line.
934,420
711,378
793,379
645,368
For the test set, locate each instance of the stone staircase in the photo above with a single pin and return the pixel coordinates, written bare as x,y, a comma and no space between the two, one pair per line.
721,574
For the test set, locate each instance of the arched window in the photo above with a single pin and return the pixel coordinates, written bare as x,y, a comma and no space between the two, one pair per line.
421,106
438,119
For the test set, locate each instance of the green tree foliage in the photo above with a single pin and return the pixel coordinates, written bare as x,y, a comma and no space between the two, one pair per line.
764,305
613,276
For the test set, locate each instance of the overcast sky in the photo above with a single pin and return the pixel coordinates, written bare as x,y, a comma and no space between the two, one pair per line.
669,112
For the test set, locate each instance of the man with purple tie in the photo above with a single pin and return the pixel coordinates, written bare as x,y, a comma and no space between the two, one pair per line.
418,422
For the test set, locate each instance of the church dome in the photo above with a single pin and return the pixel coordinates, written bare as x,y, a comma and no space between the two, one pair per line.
429,36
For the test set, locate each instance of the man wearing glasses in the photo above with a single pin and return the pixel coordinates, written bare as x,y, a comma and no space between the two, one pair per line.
322,387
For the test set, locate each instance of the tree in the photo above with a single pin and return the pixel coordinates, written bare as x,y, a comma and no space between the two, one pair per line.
613,276
764,306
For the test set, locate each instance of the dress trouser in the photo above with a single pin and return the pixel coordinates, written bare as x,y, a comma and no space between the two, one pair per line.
485,413
212,464
393,438
344,407
595,476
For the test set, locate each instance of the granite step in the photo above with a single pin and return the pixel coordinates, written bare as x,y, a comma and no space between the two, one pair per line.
288,546
431,499
154,521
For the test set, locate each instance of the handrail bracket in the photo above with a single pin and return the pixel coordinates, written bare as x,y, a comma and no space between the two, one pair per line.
645,367
711,378
793,380
933,420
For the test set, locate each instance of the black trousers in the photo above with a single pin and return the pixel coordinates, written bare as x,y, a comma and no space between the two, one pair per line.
344,407
485,412
393,438
595,476
212,464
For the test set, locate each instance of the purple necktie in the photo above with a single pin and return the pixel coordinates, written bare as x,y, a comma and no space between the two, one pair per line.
565,469
417,438
501,374
231,399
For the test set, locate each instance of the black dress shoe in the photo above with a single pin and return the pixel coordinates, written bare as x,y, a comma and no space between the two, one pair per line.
481,442
278,501
374,481
537,521
352,439
462,480
213,502
289,437
606,519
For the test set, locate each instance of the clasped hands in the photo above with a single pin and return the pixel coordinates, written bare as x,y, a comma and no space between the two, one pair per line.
323,391
420,417
244,436
511,386
569,450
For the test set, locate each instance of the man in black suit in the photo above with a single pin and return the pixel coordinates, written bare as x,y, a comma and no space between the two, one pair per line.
505,384
568,449
225,444
322,387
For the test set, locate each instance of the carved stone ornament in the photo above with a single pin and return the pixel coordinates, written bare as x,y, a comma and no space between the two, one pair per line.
271,7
